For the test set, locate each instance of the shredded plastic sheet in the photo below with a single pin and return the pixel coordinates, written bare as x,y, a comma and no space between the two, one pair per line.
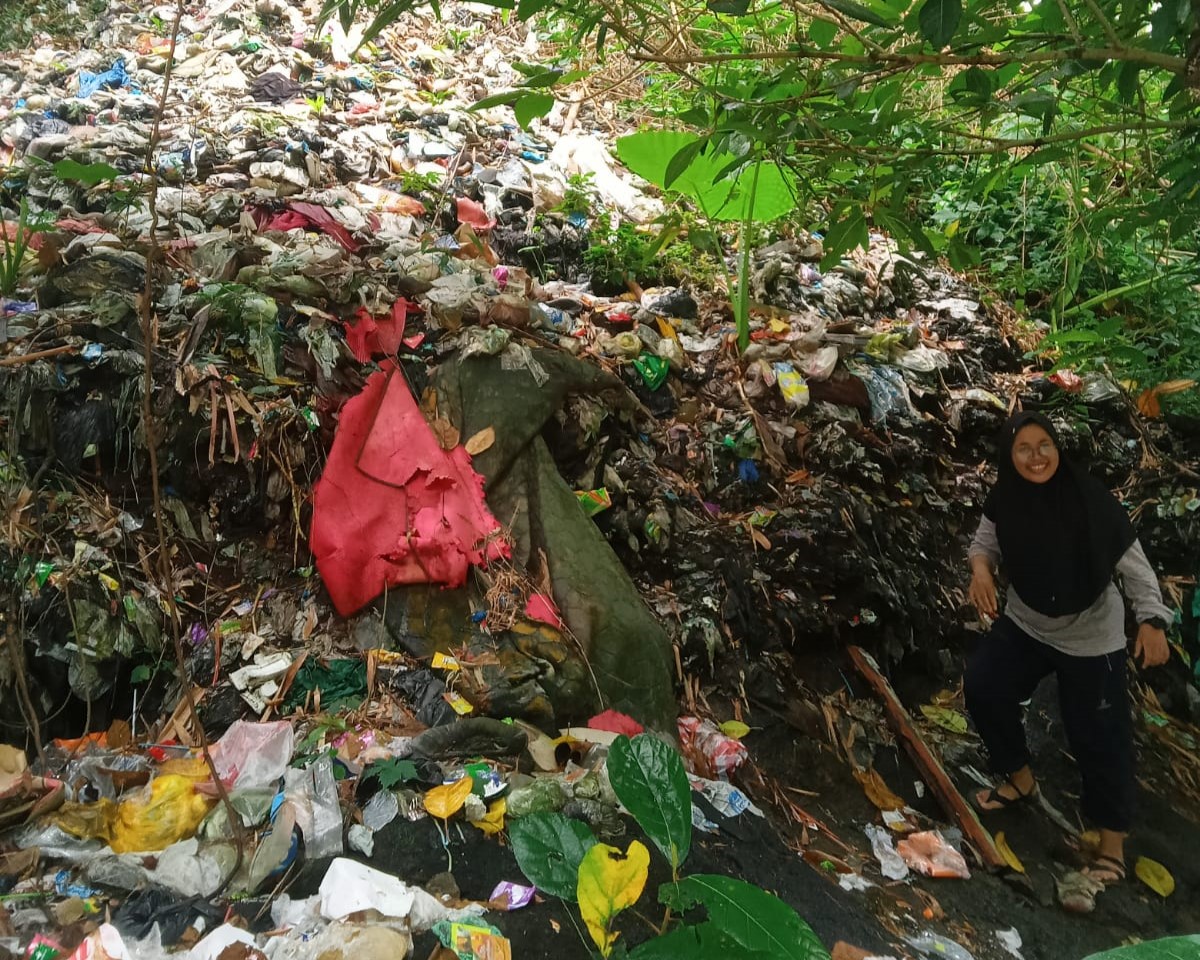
392,506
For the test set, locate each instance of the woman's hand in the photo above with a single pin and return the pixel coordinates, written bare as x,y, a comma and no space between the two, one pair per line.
1151,646
983,592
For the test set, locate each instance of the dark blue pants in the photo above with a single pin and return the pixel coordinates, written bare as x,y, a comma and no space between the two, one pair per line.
1094,700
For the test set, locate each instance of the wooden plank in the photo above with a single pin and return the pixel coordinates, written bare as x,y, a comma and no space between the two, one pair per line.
929,766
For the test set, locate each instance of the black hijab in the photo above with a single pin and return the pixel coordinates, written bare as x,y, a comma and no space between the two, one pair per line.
1060,540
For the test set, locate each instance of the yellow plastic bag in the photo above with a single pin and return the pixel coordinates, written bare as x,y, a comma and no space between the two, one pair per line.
168,811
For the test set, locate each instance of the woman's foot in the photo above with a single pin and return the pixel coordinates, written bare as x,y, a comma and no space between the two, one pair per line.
1020,787
1106,870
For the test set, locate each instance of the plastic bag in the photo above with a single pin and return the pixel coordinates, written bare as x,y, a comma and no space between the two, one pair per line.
930,854
170,810
252,756
891,864
708,750
791,385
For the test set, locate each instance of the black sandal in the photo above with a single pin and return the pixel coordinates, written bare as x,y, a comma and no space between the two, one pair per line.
1106,864
995,796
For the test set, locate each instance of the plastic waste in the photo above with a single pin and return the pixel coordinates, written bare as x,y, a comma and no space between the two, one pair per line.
253,756
791,385
930,854
1097,388
361,839
349,886
820,364
935,945
728,799
544,795
215,943
511,896
473,941
891,864
168,810
90,83
709,752
1010,940
341,941
380,810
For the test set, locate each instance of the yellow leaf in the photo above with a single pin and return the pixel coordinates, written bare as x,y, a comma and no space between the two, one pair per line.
1006,852
877,791
1154,875
665,328
609,882
493,821
445,801
945,718
481,441
735,729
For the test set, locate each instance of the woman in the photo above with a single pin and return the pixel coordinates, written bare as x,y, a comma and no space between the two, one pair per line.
1061,536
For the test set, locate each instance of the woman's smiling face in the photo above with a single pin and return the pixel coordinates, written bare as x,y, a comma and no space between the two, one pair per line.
1034,454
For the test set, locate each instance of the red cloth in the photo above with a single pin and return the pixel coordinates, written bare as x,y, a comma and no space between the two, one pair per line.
616,722
369,336
301,214
392,506
473,214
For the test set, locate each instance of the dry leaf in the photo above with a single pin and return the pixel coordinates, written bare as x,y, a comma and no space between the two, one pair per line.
877,791
1148,402
1006,852
1154,875
481,441
945,718
447,800
446,433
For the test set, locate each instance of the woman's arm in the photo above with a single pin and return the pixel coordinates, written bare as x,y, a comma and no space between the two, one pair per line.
984,556
1153,616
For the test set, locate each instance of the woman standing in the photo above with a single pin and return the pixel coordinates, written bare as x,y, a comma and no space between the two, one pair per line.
1061,536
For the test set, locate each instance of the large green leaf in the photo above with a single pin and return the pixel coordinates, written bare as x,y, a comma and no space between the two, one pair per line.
1170,948
89,173
848,233
938,20
856,11
549,848
531,106
755,919
647,776
705,941
774,196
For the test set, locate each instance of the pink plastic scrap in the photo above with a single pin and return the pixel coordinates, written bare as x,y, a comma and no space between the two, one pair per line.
370,336
613,721
474,216
541,608
392,506
511,896
305,215
930,854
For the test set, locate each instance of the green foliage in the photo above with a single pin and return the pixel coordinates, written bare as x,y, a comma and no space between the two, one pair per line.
758,921
1169,948
648,778
15,237
580,197
414,183
88,174
391,772
549,849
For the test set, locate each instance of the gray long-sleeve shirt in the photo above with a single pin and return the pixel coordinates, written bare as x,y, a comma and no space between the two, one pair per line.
1098,630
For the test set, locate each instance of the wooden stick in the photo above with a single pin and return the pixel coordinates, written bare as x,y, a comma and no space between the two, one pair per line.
38,355
931,769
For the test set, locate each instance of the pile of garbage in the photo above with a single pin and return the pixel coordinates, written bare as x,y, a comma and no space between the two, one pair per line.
426,492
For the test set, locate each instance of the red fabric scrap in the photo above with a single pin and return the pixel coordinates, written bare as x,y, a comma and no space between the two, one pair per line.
79,226
1067,380
614,722
392,507
32,240
301,214
474,216
370,336
541,608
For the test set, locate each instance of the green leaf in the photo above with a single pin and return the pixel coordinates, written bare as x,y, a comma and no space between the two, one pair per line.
1170,948
963,255
648,778
682,160
938,20
498,100
733,8
531,106
757,920
89,174
384,19
857,12
774,195
140,673
530,8
704,941
822,32
1127,81
549,849
391,771
847,234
